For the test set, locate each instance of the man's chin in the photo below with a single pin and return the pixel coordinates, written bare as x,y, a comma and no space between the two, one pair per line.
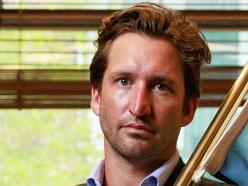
136,153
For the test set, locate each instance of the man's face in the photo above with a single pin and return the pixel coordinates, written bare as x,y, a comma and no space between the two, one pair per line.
140,104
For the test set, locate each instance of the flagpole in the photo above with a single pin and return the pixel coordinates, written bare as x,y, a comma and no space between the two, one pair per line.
215,129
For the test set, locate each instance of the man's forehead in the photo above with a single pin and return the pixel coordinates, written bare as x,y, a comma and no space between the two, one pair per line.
139,42
134,53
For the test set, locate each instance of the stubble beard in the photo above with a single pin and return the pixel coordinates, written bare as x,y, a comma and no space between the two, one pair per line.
130,148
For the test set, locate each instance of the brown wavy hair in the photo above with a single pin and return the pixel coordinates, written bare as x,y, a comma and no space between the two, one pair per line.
157,22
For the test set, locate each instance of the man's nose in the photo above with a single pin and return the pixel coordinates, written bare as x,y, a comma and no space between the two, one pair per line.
140,101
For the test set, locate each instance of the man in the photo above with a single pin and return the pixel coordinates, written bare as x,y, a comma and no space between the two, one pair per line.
145,87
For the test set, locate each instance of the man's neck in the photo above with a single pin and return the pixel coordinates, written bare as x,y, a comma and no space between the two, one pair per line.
119,171
124,173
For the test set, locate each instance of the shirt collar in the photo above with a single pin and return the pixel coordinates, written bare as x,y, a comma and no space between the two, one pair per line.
96,177
158,176
162,173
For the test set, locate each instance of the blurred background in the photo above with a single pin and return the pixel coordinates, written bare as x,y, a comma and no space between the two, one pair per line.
48,134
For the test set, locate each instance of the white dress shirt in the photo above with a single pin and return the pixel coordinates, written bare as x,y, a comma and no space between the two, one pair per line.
157,178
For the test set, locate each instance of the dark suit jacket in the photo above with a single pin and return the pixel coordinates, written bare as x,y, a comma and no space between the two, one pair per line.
175,173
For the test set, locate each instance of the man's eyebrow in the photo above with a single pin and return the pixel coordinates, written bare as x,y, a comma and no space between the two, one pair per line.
121,73
165,79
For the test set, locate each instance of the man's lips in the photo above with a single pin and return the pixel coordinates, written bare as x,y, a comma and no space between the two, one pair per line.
138,126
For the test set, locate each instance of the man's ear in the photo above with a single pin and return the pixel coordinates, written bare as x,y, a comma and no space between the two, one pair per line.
95,99
189,111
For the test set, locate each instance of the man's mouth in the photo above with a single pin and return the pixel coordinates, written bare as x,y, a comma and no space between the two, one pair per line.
138,127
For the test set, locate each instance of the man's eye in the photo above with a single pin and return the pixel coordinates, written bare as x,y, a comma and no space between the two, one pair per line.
161,87
124,82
